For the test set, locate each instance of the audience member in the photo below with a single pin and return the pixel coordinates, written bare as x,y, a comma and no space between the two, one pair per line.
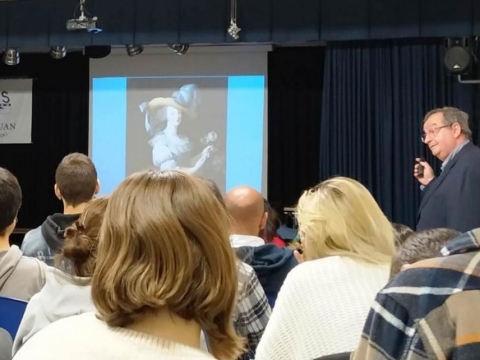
401,233
20,276
270,262
5,345
348,246
65,295
270,232
429,310
253,311
421,245
75,184
164,270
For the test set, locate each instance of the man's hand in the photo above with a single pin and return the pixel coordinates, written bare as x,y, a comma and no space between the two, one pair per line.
427,175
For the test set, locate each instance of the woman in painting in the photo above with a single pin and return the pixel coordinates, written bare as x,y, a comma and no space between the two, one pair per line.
163,116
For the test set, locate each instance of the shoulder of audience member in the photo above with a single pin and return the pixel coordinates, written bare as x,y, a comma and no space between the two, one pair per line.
301,271
35,265
455,262
31,238
33,271
435,272
244,274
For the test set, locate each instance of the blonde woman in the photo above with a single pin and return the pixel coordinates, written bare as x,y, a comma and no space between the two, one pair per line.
348,245
164,270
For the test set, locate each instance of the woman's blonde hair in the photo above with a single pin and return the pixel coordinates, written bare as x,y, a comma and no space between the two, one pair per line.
81,239
340,217
165,243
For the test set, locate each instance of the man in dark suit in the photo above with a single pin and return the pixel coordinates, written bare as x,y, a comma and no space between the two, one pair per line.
451,199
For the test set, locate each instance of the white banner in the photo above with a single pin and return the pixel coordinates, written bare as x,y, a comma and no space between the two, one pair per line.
16,111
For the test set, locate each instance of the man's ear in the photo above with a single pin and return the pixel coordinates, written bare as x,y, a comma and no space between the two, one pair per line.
97,187
406,267
457,128
58,194
263,222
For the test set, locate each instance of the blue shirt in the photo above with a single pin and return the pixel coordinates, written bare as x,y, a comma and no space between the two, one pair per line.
453,153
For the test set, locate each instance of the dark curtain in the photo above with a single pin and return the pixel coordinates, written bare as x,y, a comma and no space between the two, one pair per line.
295,77
375,97
59,127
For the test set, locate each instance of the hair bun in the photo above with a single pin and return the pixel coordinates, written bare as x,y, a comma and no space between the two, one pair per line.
77,246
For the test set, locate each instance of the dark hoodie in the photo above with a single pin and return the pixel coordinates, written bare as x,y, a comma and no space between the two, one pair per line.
45,241
271,264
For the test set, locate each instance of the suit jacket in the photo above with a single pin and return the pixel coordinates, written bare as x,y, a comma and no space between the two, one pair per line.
452,200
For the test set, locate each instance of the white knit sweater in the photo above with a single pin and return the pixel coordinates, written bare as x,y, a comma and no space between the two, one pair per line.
321,309
84,337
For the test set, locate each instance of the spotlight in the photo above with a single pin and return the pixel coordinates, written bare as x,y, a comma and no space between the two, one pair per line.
11,57
58,52
133,50
179,49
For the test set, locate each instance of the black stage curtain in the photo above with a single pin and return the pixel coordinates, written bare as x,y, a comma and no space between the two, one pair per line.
375,96
295,78
59,127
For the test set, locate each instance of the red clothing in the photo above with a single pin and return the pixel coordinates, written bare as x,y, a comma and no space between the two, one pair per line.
279,242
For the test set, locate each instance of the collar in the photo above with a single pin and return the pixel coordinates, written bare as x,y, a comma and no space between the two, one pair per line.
245,240
453,153
467,242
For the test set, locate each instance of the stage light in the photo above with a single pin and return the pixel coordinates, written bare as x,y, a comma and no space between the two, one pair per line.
133,50
11,57
58,52
179,49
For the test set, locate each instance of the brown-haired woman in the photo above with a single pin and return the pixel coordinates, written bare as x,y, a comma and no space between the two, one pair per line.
65,295
164,271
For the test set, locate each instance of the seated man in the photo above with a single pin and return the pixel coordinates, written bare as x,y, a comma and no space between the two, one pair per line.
20,277
75,184
429,311
420,245
252,311
270,262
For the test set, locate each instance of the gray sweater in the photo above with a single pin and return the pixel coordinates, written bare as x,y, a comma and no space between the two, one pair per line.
63,296
20,277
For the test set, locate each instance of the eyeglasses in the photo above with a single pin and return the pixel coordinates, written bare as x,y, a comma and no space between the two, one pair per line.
433,132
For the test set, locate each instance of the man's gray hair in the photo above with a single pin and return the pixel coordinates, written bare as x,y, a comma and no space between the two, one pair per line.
452,115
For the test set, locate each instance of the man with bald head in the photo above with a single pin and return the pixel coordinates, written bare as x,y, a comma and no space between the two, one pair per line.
270,262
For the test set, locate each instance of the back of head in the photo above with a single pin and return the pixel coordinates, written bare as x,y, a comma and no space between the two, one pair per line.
246,207
212,185
401,233
421,245
10,199
340,217
81,239
164,244
272,225
76,178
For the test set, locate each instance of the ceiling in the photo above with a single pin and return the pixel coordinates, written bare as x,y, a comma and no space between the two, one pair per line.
39,24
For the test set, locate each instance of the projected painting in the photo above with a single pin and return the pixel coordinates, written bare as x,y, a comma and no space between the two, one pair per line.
177,123
212,126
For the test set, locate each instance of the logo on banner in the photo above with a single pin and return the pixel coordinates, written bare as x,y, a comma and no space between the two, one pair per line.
5,103
5,109
16,111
